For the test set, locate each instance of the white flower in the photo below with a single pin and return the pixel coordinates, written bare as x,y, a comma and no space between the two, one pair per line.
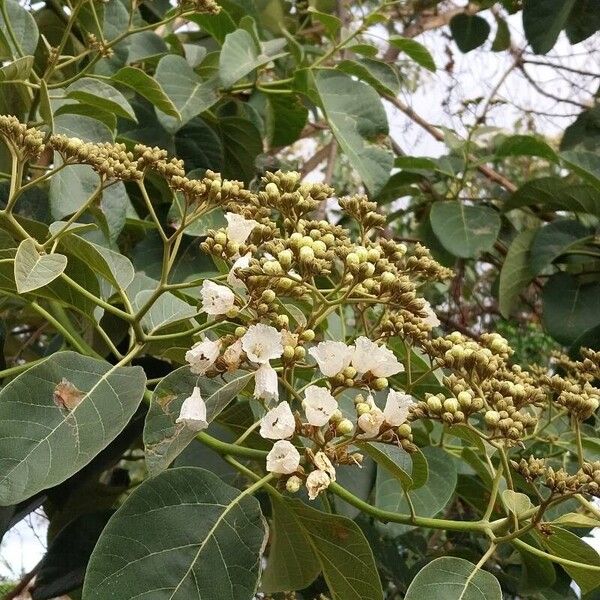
371,422
322,462
278,423
283,458
243,262
396,408
318,405
216,299
202,355
233,355
379,360
262,343
316,482
193,412
238,227
265,383
431,318
332,357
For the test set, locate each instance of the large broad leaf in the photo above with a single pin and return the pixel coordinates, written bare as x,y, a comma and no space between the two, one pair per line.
543,20
584,21
428,500
101,95
378,74
34,270
242,143
571,307
292,562
114,267
147,87
359,123
516,272
526,145
565,544
286,117
469,31
464,230
453,578
18,69
558,194
24,34
341,549
164,439
183,534
553,240
190,94
240,55
57,416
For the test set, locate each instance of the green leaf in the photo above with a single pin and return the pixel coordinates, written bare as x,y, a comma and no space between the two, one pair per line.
218,26
378,74
516,272
164,440
242,143
453,578
585,164
34,270
428,499
190,94
554,239
359,123
576,520
465,230
526,145
395,460
240,56
331,23
584,21
343,553
18,69
101,95
114,267
292,563
24,34
57,416
83,127
565,544
182,534
286,118
571,307
469,31
502,39
516,502
414,50
147,87
543,20
556,194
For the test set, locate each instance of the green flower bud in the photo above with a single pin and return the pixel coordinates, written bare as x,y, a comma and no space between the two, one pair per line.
288,352
352,259
492,418
268,296
434,404
380,383
299,353
336,416
451,405
294,483
308,335
362,408
344,427
240,331
404,430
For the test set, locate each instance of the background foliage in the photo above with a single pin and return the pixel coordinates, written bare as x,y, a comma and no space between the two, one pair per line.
270,84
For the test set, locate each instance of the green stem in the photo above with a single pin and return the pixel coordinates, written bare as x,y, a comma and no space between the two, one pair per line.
557,559
16,370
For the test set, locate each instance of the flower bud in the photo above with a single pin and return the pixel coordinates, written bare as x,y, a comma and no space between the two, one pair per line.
299,353
308,335
451,405
404,430
294,483
349,372
283,320
288,352
464,399
352,259
362,408
272,191
492,418
268,296
285,258
434,404
380,383
307,254
344,427
239,331
220,238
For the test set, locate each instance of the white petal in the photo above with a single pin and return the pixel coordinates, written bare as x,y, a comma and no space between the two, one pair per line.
233,355
241,263
283,458
318,405
239,228
371,422
202,355
216,299
332,357
397,407
380,361
262,343
278,423
193,412
431,318
322,462
266,386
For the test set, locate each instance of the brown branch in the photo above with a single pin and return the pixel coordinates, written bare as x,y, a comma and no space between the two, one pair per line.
23,584
316,159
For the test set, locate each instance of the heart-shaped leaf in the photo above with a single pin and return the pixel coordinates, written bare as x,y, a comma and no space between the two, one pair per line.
34,270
